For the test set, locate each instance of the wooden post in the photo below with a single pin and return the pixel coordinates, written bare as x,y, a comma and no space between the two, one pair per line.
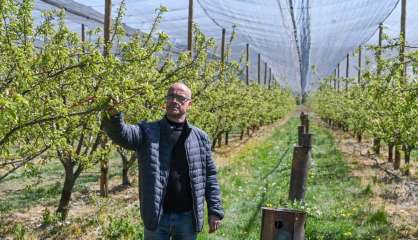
247,62
402,41
223,46
259,69
190,28
83,36
338,77
304,120
299,172
335,79
301,131
83,33
269,78
379,50
359,66
376,141
347,71
265,74
107,24
104,166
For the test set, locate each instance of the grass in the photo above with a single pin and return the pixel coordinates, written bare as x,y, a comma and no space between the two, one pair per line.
336,203
28,189
338,206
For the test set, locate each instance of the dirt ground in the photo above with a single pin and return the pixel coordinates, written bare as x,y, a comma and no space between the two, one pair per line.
396,193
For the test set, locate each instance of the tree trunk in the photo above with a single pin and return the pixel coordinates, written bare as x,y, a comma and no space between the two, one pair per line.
226,137
407,151
104,183
215,139
219,139
242,134
397,162
390,151
359,137
376,146
69,182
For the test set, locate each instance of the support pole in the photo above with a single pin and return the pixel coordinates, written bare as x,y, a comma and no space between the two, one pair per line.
402,41
190,28
347,71
265,74
104,166
107,24
359,65
223,46
247,63
83,33
269,78
338,77
259,69
379,50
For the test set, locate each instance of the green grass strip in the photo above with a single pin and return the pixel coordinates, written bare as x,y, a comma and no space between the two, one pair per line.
337,205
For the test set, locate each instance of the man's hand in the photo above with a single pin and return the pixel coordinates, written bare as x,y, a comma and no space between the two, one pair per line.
112,106
214,223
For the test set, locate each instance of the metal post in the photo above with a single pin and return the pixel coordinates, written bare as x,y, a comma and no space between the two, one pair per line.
282,224
190,28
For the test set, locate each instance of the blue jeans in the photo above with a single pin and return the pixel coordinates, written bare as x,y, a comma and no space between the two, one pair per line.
175,226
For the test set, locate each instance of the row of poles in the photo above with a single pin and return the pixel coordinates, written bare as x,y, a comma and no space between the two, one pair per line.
268,81
284,223
402,44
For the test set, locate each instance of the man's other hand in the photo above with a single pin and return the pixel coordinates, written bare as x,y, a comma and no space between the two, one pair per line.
214,223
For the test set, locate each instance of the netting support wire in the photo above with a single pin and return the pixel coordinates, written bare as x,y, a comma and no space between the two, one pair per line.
295,35
72,11
259,68
247,63
107,24
190,28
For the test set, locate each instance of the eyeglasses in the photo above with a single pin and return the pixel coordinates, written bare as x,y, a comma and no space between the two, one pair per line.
178,98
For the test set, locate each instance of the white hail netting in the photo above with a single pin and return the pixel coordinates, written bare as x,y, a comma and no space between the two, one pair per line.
301,40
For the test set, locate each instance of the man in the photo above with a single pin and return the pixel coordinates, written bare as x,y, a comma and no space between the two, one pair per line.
176,170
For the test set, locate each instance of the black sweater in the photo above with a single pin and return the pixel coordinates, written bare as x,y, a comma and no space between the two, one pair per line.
178,196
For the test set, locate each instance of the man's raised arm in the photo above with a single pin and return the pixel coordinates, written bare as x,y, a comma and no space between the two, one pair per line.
126,135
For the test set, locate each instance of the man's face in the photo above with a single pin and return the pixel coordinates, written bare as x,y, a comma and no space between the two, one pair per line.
178,101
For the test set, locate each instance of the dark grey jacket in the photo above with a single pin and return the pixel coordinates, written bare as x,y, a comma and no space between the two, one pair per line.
150,141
